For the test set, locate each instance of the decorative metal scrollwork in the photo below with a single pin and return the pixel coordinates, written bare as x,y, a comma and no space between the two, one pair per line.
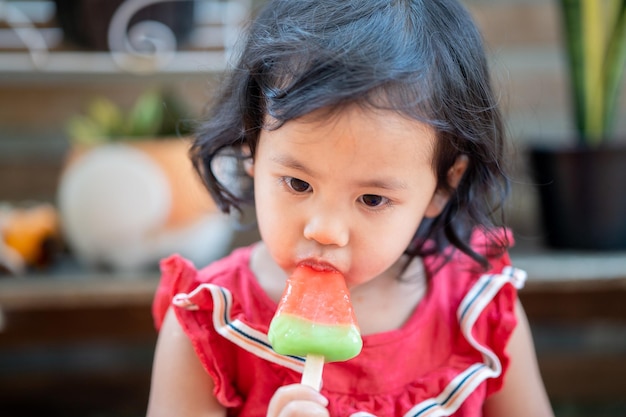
147,46
26,31
136,41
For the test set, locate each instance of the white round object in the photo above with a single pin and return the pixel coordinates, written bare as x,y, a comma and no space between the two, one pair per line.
110,200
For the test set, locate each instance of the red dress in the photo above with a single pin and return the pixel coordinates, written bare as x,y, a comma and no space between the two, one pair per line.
445,360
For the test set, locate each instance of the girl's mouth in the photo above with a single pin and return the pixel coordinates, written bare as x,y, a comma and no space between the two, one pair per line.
318,265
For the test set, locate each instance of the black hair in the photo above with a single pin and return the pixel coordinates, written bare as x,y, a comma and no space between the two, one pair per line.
422,58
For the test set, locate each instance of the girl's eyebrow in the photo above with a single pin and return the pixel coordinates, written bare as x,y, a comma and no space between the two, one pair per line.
380,183
384,184
290,162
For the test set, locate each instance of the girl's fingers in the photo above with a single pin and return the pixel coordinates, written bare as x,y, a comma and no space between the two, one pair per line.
297,400
300,408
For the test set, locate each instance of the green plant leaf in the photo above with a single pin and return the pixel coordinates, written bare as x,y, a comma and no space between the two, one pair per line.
175,122
594,47
594,33
572,38
615,62
146,116
106,115
85,131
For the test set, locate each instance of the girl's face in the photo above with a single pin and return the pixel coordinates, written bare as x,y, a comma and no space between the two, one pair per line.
345,192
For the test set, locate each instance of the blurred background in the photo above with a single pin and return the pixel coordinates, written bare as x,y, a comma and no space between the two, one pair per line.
96,100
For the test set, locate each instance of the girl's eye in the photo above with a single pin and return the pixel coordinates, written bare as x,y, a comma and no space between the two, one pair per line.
372,200
297,185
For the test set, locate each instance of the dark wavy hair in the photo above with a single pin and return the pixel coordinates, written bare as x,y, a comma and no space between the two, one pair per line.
421,58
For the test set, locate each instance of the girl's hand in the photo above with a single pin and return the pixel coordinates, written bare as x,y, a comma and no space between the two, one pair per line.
297,400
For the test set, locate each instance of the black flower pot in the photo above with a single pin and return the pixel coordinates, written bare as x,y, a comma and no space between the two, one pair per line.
582,195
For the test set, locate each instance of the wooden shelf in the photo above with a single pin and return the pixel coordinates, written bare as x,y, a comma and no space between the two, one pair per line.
90,290
69,64
67,284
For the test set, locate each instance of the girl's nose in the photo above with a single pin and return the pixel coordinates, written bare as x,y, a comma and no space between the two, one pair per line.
327,228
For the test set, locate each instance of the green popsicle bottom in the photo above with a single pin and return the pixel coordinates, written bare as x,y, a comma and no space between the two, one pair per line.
292,335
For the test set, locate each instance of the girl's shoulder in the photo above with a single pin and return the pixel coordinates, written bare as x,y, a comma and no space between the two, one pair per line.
492,244
224,312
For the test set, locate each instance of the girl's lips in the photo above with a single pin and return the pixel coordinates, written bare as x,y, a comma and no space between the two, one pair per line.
318,265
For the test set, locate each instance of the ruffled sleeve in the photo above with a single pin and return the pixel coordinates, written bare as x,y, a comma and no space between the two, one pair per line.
497,320
179,276
177,273
497,323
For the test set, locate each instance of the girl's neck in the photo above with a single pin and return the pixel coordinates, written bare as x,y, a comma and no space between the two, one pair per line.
389,300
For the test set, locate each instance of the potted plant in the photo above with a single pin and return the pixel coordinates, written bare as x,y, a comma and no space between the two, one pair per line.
582,188
154,115
129,195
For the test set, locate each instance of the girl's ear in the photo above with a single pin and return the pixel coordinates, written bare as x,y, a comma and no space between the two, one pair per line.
248,161
457,170
442,196
248,166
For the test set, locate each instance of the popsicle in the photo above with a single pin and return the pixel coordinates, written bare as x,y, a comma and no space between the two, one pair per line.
315,319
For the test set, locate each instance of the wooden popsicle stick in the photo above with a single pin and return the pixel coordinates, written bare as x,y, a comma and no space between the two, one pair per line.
312,375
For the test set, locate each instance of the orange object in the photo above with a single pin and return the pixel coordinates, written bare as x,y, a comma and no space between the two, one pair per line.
27,231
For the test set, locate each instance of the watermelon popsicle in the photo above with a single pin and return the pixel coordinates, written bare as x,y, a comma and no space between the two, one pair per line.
315,319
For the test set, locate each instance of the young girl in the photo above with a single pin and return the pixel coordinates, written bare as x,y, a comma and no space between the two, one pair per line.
375,148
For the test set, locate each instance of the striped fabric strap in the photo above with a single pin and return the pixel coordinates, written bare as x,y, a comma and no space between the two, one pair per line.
235,330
